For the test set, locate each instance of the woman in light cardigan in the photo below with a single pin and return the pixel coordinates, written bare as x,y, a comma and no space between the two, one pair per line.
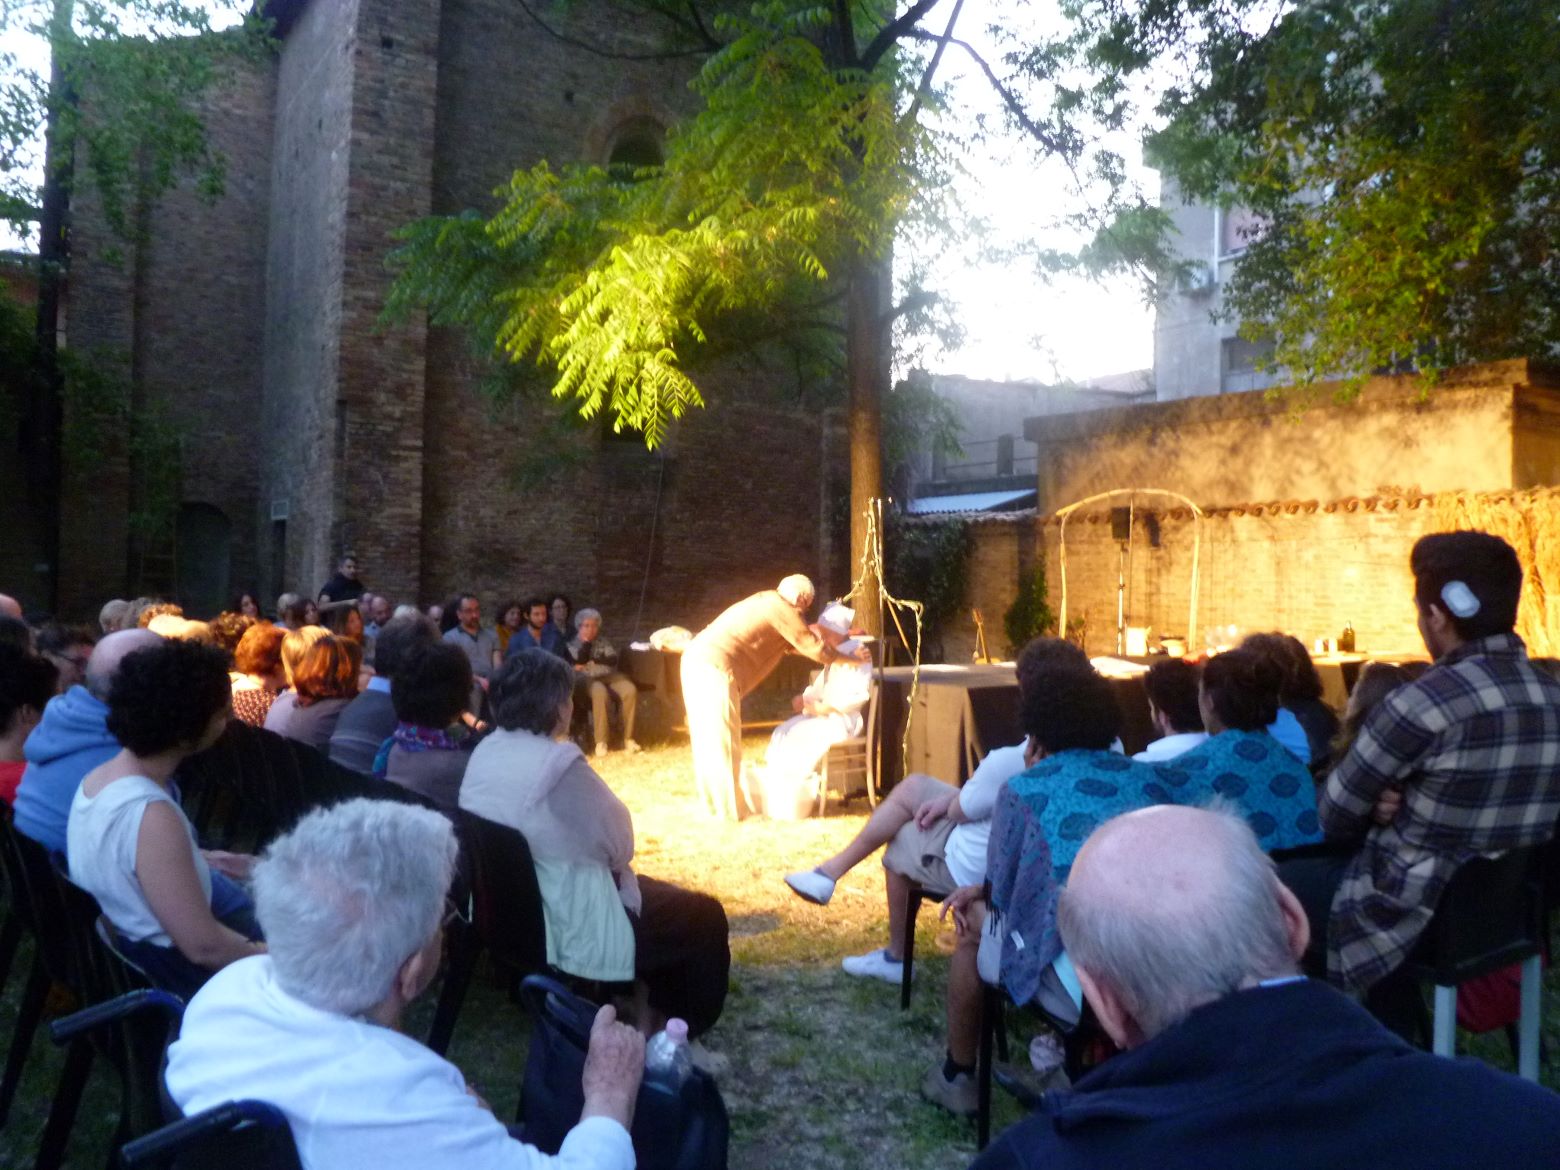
603,922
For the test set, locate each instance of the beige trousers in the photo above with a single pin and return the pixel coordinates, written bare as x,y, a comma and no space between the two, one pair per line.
714,707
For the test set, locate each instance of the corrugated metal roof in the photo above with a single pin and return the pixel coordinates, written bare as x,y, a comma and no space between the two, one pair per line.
970,502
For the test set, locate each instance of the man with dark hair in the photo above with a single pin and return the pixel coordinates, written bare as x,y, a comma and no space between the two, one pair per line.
367,721
345,585
1186,947
1463,762
538,632
26,685
1171,687
1074,781
479,643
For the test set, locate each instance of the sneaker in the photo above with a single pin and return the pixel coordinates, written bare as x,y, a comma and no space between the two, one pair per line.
713,1063
958,1096
811,886
601,751
632,747
875,965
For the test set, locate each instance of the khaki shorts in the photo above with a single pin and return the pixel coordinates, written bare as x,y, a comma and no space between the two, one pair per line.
917,854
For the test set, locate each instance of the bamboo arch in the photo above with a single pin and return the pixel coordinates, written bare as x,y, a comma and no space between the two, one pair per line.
1062,514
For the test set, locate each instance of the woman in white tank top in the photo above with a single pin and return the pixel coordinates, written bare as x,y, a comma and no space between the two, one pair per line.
128,842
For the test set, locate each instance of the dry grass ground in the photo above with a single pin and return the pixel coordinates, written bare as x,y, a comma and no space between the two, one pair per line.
825,1068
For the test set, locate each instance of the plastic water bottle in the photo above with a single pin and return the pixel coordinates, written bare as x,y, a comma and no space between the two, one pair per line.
668,1062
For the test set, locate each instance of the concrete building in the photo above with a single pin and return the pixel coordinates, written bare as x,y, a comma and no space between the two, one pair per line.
305,426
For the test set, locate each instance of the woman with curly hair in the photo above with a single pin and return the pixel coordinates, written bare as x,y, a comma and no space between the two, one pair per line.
127,840
324,681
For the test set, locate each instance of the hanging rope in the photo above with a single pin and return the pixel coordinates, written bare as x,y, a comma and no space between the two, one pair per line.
871,568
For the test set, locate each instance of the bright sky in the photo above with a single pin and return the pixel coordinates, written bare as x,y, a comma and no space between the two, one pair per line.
1016,326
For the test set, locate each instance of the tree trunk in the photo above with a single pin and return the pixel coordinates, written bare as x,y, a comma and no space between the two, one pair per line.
867,368
43,427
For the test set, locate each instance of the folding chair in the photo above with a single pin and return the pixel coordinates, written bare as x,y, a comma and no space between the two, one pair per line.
245,1134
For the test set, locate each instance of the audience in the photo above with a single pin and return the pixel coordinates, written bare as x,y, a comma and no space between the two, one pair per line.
1463,761
603,922
1299,692
247,602
1240,761
344,585
510,618
561,610
292,611
324,682
27,683
68,648
429,693
539,632
478,643
10,607
258,674
1233,1060
596,675
155,609
112,616
128,842
1173,688
353,900
368,720
345,621
15,632
936,834
1377,680
228,629
377,607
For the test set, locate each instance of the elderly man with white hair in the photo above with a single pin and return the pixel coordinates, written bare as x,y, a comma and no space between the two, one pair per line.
1187,947
827,712
596,674
728,659
353,899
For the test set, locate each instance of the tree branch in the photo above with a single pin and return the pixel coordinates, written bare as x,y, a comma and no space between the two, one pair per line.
902,25
709,45
1009,99
915,302
925,86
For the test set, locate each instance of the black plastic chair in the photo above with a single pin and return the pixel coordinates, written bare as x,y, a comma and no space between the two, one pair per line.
503,915
915,894
237,1135
1491,915
1078,1041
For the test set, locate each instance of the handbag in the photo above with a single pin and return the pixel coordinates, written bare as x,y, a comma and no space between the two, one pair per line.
688,1130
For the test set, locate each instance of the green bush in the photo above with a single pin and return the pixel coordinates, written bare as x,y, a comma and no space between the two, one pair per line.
1030,614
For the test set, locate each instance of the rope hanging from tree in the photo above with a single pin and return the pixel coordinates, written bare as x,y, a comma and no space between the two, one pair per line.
871,568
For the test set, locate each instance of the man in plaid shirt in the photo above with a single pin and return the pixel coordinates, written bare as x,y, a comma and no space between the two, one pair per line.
1462,763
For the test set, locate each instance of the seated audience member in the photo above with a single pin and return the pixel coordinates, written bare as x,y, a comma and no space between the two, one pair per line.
71,740
111,617
377,608
353,900
1233,1060
129,844
345,621
324,682
603,923
258,674
27,684
1299,692
435,614
172,625
369,719
596,674
1074,783
16,632
292,611
478,643
156,609
1463,761
247,602
510,618
228,628
68,648
538,633
936,834
294,643
10,607
1172,689
561,610
429,694
1377,680
1240,761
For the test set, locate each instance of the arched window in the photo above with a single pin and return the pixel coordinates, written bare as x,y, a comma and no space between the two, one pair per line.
204,548
638,143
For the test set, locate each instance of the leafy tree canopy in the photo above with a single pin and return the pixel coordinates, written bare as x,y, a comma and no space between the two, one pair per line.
1402,158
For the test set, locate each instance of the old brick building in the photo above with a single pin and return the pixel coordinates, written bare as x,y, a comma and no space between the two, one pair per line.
306,426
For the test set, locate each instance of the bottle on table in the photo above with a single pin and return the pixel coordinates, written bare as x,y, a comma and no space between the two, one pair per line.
1346,639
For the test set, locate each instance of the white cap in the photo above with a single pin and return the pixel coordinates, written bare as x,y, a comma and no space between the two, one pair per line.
837,617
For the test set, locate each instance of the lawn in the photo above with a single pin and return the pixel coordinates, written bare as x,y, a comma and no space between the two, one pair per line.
825,1068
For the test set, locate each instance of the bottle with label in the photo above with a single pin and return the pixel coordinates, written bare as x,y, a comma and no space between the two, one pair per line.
1346,639
668,1060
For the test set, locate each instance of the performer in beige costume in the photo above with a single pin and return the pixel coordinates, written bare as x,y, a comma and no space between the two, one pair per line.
724,662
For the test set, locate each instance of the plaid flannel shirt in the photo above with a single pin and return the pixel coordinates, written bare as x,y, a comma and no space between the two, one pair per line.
1475,746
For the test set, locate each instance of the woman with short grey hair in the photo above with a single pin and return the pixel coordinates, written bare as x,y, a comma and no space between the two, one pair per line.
355,894
603,923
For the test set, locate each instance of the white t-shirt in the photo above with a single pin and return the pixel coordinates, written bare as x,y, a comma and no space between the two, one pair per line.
965,852
1169,746
355,1094
100,845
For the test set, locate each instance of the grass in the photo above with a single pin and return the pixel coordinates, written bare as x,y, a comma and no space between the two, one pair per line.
825,1068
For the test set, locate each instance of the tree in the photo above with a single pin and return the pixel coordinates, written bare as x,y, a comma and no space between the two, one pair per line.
120,98
1402,158
819,132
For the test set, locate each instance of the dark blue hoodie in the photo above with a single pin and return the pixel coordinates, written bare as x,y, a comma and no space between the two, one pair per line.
1290,1077
70,740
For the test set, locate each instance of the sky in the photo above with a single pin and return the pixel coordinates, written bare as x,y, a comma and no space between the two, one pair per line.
1015,325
